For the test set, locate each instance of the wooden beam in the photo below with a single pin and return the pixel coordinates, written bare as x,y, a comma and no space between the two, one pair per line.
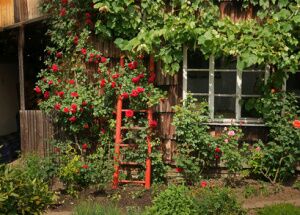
21,66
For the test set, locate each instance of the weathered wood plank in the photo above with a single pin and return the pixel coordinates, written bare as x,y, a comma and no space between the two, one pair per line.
6,12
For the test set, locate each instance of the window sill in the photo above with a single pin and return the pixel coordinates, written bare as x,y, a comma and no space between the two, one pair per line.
242,122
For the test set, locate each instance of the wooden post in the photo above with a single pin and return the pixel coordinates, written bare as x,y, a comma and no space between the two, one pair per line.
21,66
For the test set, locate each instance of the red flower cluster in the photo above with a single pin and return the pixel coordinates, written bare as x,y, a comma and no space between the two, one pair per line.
88,20
153,123
71,81
64,1
75,40
102,83
84,146
63,12
113,84
115,76
151,78
72,119
54,68
60,94
46,94
85,166
135,80
37,90
73,108
74,94
203,184
66,110
124,95
59,54
83,51
57,106
179,169
129,113
132,65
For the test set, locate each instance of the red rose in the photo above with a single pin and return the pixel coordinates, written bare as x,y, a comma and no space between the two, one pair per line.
85,166
54,68
83,51
46,94
84,146
129,113
74,94
57,106
66,110
203,184
134,93
103,59
125,95
86,125
72,119
217,149
61,94
88,22
113,84
84,103
73,108
179,169
75,40
50,82
132,65
102,83
217,156
296,123
140,89
88,15
141,75
58,54
135,79
37,90
58,80
71,81
114,76
64,1
63,12
153,123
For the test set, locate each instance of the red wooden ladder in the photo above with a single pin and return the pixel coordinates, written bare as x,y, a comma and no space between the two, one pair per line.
119,143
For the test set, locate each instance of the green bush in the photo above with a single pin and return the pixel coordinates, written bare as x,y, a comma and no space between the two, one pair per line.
92,208
217,201
20,194
174,200
279,209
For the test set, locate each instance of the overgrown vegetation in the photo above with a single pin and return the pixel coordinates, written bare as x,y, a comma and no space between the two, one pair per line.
280,209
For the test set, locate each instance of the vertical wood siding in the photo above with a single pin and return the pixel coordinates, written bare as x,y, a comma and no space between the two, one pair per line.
36,129
6,12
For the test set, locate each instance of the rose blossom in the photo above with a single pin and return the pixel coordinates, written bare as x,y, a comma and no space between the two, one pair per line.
296,123
203,184
231,133
37,90
72,119
129,113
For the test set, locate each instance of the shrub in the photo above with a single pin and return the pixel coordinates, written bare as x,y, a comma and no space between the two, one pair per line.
174,200
279,209
217,201
20,194
195,145
92,208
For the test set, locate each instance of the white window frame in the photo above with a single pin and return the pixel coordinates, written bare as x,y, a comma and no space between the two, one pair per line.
238,120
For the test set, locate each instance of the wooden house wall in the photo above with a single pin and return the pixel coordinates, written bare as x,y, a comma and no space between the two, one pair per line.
17,11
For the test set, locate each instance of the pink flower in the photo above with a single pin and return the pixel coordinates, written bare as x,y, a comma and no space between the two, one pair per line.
257,149
226,140
231,133
54,68
72,119
129,113
37,90
74,94
203,184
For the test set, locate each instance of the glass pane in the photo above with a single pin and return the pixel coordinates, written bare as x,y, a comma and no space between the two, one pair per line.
248,110
226,63
197,61
197,82
224,107
225,82
293,83
252,82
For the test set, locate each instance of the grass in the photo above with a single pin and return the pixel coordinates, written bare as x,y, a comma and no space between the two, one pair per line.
91,208
279,209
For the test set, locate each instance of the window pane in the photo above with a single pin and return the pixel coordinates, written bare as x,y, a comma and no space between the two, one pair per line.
247,108
252,82
197,61
224,107
225,63
293,83
197,82
225,82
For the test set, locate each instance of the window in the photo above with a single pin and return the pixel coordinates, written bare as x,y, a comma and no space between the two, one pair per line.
217,81
292,84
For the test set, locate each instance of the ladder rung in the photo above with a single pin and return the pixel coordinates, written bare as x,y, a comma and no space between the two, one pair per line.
133,128
128,145
139,111
133,182
131,163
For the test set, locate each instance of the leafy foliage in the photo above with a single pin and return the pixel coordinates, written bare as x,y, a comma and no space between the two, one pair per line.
279,209
21,194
